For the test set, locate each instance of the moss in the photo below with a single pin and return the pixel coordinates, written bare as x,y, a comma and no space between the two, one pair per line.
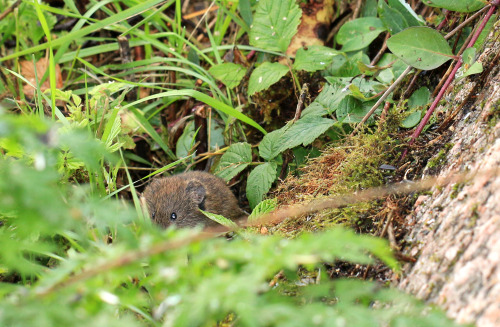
344,167
440,158
474,216
456,189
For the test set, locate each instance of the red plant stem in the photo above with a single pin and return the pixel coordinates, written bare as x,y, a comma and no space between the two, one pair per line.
450,79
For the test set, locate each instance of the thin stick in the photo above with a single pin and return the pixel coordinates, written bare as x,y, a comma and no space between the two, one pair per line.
451,77
382,98
10,9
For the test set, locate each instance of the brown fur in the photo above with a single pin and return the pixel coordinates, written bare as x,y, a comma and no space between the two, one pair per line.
184,194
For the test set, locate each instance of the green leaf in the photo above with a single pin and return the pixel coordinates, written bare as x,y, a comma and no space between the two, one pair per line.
304,131
475,68
456,5
218,105
274,24
412,120
352,110
265,75
393,20
420,47
469,56
228,73
259,182
315,57
326,102
419,98
269,147
359,33
262,208
236,158
220,219
410,16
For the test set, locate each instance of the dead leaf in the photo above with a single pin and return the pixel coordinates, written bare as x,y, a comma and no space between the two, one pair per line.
28,72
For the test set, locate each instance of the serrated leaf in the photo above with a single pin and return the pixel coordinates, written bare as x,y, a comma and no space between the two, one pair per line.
262,208
220,219
274,24
359,33
269,147
265,75
259,182
228,73
420,47
456,5
326,102
352,110
315,57
410,16
237,157
304,131
412,120
392,19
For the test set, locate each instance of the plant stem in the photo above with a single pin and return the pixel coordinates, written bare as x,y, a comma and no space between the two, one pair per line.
451,77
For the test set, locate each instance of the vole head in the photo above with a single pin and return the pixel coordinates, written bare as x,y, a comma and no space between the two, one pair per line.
173,200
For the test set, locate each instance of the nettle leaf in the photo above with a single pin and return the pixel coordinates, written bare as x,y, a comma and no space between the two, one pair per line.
228,73
326,102
359,33
260,181
220,219
352,110
269,147
456,5
236,158
410,16
265,75
420,47
392,19
315,57
274,24
304,131
262,208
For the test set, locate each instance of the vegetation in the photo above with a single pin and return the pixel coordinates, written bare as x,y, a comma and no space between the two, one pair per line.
83,126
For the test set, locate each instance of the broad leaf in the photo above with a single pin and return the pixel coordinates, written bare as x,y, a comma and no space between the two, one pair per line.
412,120
236,158
220,219
304,131
352,110
419,98
274,24
359,33
259,182
457,5
392,19
420,47
262,208
410,16
265,75
269,147
326,102
475,68
315,57
228,73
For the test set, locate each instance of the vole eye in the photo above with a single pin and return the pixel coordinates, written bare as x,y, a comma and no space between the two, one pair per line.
153,215
173,216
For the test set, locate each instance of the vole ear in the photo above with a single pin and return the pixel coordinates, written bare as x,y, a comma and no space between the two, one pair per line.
196,191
